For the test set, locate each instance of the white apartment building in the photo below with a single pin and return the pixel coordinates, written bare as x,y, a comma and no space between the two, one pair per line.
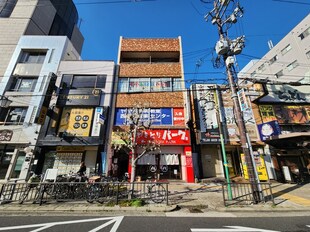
29,83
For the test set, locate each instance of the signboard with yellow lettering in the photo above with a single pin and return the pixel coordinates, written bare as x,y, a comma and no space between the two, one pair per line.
260,166
74,97
76,121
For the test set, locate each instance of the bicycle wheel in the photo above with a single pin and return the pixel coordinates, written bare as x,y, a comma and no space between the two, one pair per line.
23,195
158,193
62,191
93,193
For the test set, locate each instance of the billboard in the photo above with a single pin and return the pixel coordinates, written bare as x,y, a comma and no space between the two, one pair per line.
76,121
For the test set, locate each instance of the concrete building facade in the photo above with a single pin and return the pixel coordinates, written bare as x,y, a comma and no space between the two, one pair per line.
151,79
36,17
79,125
29,83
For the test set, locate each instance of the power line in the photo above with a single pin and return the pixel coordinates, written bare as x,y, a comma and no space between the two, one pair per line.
294,2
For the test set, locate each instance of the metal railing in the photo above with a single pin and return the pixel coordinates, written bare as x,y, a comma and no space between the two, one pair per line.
246,194
102,192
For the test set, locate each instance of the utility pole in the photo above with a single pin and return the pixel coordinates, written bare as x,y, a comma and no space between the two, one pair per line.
226,49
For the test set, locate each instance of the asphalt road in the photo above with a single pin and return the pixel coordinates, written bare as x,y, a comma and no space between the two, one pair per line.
153,224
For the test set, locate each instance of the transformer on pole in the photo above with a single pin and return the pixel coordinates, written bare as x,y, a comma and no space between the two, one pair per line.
227,49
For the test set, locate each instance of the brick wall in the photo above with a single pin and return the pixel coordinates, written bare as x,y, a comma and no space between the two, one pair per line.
153,100
150,70
150,45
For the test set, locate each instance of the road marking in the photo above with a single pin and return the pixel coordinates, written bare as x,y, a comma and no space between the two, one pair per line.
233,229
42,226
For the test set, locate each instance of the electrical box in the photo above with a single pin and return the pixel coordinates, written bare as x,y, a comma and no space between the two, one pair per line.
230,61
222,47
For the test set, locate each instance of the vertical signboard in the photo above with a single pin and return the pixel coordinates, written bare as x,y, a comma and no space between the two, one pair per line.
207,109
96,125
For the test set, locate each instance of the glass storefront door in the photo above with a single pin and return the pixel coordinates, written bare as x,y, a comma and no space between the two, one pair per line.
6,154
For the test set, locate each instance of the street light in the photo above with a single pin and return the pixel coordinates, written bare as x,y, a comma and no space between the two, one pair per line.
4,102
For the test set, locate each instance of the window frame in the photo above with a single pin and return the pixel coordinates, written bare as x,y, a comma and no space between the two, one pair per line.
292,65
286,49
32,57
7,113
17,83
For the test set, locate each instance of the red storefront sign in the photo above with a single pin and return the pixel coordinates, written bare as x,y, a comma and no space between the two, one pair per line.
164,137
178,117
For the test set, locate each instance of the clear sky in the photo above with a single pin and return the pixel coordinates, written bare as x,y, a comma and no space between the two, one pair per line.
104,21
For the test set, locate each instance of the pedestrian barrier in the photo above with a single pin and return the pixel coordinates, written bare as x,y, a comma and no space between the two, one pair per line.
246,193
102,192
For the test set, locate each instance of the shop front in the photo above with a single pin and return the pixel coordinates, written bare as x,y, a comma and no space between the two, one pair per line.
291,156
172,161
67,159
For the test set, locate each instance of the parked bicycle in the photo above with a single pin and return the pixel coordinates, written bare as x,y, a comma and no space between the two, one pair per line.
101,188
33,186
156,191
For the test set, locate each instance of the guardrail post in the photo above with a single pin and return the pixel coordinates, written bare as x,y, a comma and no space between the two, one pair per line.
167,194
117,193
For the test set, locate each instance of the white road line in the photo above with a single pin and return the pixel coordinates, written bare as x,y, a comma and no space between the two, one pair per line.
43,226
116,222
233,229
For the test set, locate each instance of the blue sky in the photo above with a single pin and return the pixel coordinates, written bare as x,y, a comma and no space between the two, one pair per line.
104,21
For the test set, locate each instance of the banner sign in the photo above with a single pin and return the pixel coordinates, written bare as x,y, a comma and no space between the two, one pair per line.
164,137
268,129
178,117
40,118
160,116
76,121
287,93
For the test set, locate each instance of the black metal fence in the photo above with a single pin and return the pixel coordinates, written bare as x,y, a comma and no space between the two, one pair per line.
102,192
246,193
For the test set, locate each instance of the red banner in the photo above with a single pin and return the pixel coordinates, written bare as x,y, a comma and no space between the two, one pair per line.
164,137
178,117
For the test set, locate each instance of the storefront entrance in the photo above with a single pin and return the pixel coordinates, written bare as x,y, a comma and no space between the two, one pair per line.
163,166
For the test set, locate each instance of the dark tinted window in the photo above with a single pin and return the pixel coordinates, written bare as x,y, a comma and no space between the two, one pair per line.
6,8
88,82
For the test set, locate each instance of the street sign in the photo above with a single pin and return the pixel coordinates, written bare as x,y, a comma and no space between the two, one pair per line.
233,229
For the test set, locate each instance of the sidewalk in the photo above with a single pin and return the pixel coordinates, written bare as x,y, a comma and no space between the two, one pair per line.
183,197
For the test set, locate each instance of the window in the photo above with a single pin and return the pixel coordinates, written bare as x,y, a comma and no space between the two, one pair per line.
32,57
261,68
161,84
273,59
304,34
286,49
6,8
83,81
13,115
139,85
292,65
279,74
149,84
253,74
24,84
